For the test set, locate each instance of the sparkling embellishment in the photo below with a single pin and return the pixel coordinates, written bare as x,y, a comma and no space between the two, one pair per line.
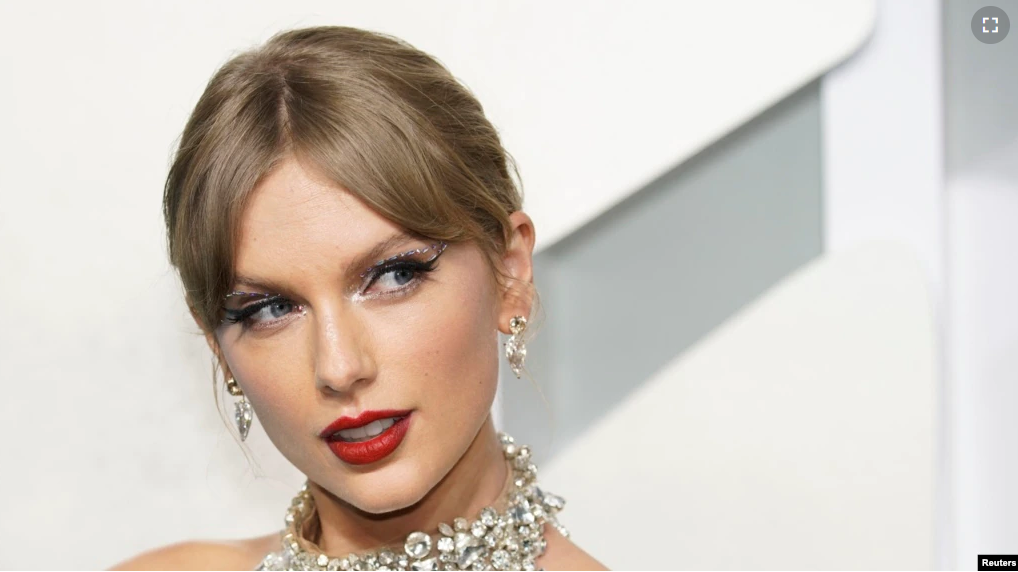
446,544
429,564
478,529
418,545
500,560
515,349
512,539
488,516
438,248
242,415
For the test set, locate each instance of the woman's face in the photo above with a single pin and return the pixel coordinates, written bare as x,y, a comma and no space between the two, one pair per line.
336,344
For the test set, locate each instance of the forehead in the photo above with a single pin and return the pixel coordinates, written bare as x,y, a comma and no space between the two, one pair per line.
294,213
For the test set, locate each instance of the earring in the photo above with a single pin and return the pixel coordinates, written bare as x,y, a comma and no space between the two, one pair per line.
515,350
243,414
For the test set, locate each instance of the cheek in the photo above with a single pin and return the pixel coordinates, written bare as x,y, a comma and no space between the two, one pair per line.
449,345
271,385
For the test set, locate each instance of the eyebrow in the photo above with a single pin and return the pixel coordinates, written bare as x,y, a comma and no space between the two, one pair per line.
359,265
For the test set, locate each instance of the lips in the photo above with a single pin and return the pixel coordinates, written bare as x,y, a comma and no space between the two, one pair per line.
354,446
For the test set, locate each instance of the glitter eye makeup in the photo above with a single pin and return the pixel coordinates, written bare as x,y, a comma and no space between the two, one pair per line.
413,273
271,310
260,310
438,248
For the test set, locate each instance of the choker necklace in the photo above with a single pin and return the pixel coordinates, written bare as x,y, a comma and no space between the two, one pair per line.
511,539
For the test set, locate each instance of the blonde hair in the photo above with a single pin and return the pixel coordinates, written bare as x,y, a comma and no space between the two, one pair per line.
371,113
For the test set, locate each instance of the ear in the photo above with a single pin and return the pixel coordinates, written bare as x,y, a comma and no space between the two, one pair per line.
210,339
518,295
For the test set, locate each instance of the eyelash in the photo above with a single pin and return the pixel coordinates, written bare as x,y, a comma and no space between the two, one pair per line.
419,269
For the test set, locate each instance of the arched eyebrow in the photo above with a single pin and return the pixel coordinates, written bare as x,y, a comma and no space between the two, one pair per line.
355,268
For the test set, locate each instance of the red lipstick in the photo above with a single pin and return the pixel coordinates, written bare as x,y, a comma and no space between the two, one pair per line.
373,449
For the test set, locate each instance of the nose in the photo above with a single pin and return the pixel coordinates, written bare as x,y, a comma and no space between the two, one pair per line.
342,356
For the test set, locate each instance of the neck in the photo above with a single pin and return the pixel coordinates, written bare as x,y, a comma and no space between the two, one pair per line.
475,481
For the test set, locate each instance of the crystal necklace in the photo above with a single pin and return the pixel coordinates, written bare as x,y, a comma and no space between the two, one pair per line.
508,540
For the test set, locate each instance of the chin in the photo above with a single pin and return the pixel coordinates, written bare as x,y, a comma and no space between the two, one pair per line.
391,489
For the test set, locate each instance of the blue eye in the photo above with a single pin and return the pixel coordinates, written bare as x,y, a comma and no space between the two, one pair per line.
275,310
400,276
262,312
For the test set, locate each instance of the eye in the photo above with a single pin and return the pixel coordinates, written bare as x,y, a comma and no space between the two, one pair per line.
264,313
271,311
398,278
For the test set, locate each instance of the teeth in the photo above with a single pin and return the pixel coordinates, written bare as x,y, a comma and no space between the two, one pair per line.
369,431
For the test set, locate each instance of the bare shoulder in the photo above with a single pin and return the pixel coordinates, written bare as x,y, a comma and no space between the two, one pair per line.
563,554
204,555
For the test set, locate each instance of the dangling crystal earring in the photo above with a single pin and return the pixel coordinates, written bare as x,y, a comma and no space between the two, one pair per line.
243,414
515,350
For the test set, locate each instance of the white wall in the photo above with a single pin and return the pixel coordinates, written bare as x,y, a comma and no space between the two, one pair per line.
799,435
883,155
982,202
118,445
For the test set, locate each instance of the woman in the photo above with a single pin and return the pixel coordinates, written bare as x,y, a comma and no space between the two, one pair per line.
350,240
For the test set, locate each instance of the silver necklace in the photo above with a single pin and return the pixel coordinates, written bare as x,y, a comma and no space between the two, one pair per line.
507,540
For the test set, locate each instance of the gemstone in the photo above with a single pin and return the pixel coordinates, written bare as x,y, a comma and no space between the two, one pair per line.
516,353
510,450
553,503
386,557
242,415
522,458
446,544
505,438
522,515
488,516
461,524
469,555
491,540
446,529
418,544
500,560
333,564
323,560
464,540
478,529
429,564
344,563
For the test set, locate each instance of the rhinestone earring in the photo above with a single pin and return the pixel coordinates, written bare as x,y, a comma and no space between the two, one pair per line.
243,414
515,350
